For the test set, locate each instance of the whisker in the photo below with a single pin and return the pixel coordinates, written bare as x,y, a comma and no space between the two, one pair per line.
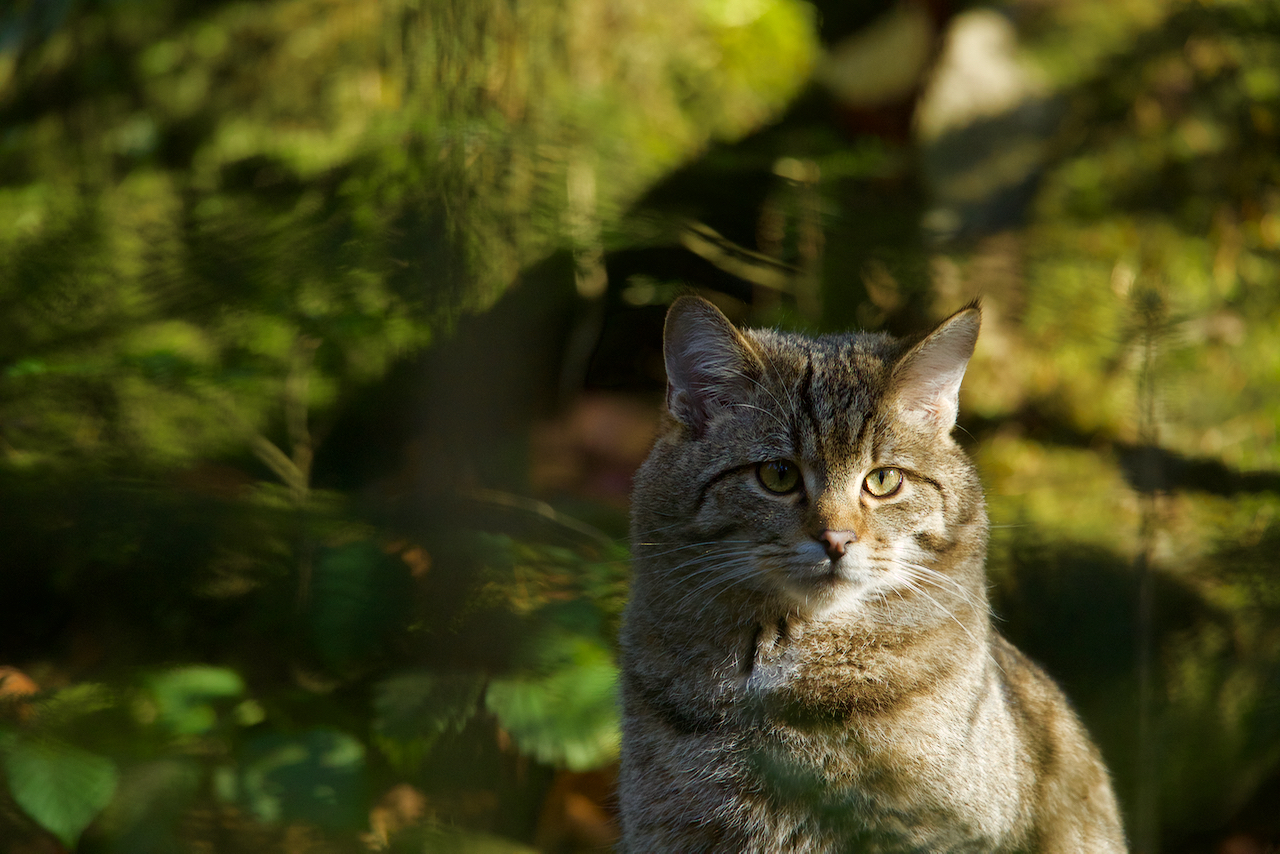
916,588
762,387
938,578
910,582
675,549
782,425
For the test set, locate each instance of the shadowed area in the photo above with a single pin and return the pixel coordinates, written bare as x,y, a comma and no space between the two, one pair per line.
330,340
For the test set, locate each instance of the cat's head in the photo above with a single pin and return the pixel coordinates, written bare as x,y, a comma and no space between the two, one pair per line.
820,472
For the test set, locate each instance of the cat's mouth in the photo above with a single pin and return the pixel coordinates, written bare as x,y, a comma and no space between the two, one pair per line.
822,584
810,579
825,574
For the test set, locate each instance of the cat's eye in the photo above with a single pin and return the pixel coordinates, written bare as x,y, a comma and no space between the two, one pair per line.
883,482
780,476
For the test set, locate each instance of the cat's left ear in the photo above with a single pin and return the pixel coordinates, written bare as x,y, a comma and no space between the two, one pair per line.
710,364
925,384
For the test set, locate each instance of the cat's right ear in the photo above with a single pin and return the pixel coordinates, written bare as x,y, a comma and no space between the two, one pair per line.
710,364
926,380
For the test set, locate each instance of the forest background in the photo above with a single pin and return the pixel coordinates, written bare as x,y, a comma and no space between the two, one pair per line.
330,337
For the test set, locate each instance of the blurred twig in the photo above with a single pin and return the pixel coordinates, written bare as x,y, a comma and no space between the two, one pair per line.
296,393
802,281
263,448
746,264
539,508
293,470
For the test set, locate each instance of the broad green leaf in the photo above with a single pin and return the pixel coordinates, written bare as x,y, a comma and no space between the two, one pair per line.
183,696
567,715
412,709
63,788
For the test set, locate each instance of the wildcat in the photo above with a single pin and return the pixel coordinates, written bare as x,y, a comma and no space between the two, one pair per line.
808,658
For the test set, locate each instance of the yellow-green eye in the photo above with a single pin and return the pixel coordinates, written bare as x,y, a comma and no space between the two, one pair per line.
883,482
780,476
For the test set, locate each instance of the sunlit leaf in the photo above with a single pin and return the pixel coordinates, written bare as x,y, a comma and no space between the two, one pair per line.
62,787
566,715
412,710
424,703
75,701
183,696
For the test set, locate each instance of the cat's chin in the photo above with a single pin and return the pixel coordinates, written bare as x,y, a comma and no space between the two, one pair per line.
831,587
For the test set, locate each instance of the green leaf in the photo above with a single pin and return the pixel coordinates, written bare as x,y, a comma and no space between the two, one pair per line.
183,696
567,715
423,703
412,709
61,787
359,596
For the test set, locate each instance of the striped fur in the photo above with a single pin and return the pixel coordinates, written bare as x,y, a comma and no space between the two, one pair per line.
815,670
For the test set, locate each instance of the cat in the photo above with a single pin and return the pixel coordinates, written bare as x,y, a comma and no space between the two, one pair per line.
808,658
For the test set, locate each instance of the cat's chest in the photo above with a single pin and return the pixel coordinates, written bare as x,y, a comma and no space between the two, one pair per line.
872,785
791,666
849,708
889,766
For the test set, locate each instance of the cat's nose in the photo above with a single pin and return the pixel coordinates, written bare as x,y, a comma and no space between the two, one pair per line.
835,542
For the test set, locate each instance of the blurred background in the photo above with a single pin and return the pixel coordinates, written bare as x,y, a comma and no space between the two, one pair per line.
330,338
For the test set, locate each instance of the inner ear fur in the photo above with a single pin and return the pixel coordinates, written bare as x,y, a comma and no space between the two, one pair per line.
710,364
925,383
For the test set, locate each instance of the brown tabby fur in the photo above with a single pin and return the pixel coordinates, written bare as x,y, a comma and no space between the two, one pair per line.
782,695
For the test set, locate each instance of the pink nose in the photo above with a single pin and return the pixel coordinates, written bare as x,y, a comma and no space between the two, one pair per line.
835,542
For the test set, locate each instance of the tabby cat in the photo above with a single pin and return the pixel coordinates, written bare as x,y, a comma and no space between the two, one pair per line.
809,663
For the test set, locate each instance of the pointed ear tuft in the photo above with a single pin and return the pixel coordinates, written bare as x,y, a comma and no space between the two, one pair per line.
710,364
925,385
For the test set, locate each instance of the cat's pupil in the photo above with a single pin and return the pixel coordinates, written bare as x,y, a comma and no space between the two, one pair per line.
780,476
883,482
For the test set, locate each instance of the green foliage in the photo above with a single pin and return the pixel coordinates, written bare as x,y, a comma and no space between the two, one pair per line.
184,697
563,707
60,786
1135,374
316,776
358,596
412,710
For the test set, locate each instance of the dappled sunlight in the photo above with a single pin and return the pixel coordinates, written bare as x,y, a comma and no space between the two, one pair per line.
330,339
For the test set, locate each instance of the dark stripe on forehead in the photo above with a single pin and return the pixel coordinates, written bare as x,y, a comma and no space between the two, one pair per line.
850,407
806,400
792,416
861,436
879,437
